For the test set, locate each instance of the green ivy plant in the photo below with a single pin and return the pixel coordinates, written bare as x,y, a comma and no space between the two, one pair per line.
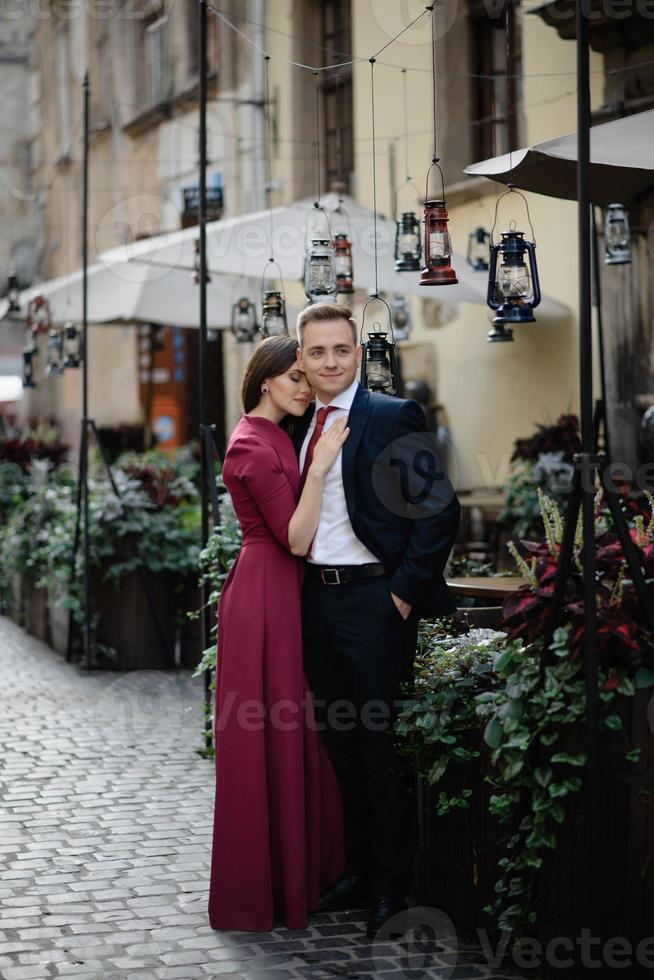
435,724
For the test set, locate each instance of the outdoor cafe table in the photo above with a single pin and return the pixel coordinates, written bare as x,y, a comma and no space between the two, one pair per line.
481,587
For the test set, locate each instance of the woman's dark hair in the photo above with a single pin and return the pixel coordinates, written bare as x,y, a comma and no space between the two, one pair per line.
272,357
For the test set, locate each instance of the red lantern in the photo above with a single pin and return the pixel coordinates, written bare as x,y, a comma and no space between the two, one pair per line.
437,250
343,263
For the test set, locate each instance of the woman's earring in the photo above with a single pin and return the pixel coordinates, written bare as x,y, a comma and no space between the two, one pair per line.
264,390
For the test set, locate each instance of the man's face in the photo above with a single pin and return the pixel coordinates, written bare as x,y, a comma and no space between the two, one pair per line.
329,356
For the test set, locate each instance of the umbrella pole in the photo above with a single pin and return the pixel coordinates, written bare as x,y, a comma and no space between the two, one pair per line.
206,457
587,463
84,442
603,403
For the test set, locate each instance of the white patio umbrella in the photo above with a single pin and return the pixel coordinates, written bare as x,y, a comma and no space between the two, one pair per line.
120,290
621,163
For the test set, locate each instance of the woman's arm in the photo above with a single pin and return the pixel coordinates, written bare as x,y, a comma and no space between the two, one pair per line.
304,522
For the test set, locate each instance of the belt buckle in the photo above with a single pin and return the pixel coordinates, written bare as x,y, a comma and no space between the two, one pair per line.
326,571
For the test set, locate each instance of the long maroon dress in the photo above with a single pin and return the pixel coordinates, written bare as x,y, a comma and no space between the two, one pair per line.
278,836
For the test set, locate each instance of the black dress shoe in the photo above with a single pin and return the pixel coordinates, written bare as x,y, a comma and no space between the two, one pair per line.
349,892
384,908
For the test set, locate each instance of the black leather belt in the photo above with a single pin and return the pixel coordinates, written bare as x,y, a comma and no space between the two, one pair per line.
342,574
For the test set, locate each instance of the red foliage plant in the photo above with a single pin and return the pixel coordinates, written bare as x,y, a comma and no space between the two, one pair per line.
622,635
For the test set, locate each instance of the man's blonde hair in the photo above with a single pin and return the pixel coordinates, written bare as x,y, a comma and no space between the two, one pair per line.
325,311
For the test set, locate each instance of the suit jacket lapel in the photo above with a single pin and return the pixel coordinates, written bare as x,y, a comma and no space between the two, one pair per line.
357,418
300,428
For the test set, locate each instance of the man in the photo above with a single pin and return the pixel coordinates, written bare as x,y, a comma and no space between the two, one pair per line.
374,567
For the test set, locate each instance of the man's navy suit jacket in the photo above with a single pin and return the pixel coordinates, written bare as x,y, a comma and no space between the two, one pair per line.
413,544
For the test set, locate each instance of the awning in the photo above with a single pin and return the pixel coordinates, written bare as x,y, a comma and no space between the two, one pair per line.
621,163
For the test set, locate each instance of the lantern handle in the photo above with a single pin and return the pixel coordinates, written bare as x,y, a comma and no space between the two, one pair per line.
512,190
317,206
380,299
435,163
271,261
409,180
339,209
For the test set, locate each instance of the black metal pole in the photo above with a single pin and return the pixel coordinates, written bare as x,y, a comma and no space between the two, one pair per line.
597,282
88,612
587,460
207,460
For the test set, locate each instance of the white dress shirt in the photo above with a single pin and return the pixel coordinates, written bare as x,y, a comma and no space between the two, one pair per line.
335,542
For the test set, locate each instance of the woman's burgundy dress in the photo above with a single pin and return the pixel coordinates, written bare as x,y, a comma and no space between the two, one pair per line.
277,837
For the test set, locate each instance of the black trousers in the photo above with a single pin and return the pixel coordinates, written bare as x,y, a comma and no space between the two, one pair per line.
358,654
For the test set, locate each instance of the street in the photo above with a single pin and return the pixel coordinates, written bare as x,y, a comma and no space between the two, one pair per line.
106,833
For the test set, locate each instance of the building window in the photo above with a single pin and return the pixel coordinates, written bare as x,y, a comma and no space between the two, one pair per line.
494,128
193,33
338,130
154,38
63,91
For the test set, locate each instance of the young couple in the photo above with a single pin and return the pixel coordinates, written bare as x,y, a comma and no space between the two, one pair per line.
314,809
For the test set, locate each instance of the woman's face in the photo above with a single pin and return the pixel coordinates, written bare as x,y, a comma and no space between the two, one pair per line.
290,392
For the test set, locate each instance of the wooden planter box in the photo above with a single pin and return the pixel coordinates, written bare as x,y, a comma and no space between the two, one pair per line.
624,884
127,623
60,623
190,630
456,866
14,599
36,611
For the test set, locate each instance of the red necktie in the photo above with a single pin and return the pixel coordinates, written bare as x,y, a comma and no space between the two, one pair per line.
321,415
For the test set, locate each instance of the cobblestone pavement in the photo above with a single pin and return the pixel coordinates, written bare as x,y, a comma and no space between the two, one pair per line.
105,837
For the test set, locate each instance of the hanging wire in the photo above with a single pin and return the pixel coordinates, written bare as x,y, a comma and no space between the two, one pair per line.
374,167
385,64
509,87
433,72
268,153
406,125
318,161
375,297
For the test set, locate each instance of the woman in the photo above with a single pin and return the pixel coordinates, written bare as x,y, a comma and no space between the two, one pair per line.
278,838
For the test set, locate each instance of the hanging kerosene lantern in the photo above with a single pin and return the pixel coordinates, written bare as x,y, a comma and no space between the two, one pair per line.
617,236
478,255
437,249
320,272
244,321
273,315
54,363
408,247
513,282
402,324
342,250
343,263
29,352
13,293
28,367
319,263
72,338
38,318
195,275
378,363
